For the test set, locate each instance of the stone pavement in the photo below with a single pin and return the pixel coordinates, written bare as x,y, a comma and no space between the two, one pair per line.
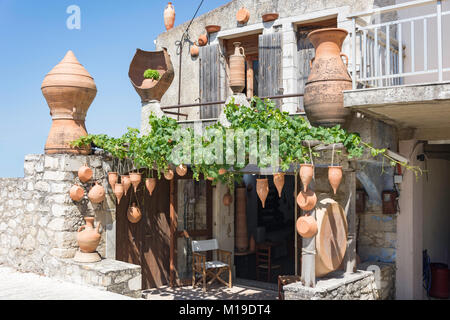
15,285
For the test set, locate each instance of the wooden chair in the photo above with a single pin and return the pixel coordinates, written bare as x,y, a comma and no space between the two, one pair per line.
283,281
264,260
210,268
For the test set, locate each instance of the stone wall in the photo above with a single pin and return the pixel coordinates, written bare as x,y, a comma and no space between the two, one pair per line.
39,221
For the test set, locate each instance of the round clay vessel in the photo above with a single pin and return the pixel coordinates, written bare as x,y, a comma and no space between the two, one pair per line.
307,200
194,50
88,238
126,182
181,170
76,193
241,220
150,184
85,173
69,90
212,28
227,199
135,179
335,177
203,40
169,174
270,17
97,194
134,214
222,171
169,16
306,174
112,179
278,180
262,189
307,226
237,69
242,15
323,99
118,191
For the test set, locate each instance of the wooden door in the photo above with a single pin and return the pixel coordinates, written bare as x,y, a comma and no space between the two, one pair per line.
270,82
146,243
210,81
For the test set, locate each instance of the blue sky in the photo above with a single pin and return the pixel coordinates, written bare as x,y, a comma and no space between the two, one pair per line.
34,38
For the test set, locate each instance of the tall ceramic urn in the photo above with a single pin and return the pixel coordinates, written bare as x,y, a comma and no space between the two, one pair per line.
69,90
169,16
323,99
237,69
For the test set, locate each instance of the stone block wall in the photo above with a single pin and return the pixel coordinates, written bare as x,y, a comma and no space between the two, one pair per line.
39,221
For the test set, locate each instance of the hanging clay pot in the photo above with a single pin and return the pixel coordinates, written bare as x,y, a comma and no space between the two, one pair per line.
335,177
227,199
150,184
306,174
252,244
194,50
181,170
278,180
169,16
69,90
134,214
237,69
126,182
97,194
210,178
135,178
323,99
307,226
85,173
118,191
307,200
212,28
241,234
76,193
222,171
203,40
242,15
262,189
169,174
88,237
112,179
270,17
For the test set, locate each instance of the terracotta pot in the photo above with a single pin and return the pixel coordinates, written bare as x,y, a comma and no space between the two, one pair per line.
227,199
97,194
306,174
307,226
241,219
212,28
69,90
76,193
126,182
118,191
323,99
242,15
88,237
169,174
85,173
222,171
335,177
194,50
270,17
278,180
134,214
112,179
307,200
150,184
181,170
210,178
262,189
135,179
169,16
237,69
203,40
252,245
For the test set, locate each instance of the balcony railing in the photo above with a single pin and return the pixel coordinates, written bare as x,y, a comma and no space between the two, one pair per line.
378,50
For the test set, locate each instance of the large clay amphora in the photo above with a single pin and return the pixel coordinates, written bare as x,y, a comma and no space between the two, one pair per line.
237,69
323,99
88,238
169,16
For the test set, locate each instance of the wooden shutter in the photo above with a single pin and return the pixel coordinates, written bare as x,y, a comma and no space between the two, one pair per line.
209,80
306,52
270,82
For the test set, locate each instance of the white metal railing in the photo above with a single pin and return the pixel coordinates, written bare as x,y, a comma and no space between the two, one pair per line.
379,50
